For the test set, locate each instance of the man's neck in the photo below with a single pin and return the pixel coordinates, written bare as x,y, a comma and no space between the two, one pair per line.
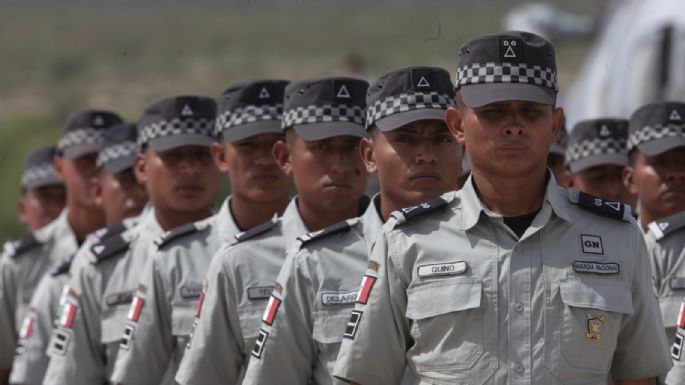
316,219
248,214
168,219
513,196
84,221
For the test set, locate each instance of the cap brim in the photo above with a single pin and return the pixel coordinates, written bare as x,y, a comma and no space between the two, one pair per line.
598,160
75,152
325,130
399,119
50,181
174,141
478,95
659,146
248,130
120,164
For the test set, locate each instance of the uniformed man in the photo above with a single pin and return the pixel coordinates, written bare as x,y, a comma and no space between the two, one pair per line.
596,155
556,156
42,192
323,121
174,163
122,199
657,176
512,279
414,155
26,263
249,121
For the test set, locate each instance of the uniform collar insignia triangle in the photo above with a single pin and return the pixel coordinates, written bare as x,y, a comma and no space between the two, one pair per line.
186,111
604,131
423,82
264,93
674,115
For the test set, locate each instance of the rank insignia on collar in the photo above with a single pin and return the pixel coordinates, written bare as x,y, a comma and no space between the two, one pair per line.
594,327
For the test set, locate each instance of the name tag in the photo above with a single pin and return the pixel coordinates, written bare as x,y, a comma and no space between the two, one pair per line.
121,298
333,299
439,269
263,292
677,283
596,268
190,290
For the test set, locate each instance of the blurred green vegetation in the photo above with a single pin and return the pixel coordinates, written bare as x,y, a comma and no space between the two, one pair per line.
63,56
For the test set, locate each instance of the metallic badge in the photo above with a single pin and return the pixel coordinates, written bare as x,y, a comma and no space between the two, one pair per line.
594,327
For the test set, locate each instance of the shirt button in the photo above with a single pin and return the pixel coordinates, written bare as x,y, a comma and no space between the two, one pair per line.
518,306
518,368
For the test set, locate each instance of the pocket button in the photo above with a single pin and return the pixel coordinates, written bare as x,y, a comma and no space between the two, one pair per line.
518,368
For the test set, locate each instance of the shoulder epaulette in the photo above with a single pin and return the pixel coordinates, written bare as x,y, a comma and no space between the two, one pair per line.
409,213
614,210
332,229
255,231
62,266
110,231
21,245
179,232
665,226
108,247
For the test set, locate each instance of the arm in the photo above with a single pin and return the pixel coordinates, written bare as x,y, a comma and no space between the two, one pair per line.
8,296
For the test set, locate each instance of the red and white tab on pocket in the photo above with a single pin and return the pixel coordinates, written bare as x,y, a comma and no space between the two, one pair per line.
365,290
271,310
136,308
68,315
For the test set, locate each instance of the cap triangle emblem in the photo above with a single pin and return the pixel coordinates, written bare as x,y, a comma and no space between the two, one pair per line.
98,121
186,111
423,82
264,93
674,115
604,131
343,92
663,225
510,52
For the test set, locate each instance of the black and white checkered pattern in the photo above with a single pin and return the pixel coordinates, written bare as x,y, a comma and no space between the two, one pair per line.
479,73
248,114
115,152
175,126
658,131
324,113
407,102
594,147
38,173
79,137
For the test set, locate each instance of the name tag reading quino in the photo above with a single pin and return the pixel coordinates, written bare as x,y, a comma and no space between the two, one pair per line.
439,269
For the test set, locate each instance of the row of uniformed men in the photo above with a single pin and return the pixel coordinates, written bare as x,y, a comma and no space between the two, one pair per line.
431,300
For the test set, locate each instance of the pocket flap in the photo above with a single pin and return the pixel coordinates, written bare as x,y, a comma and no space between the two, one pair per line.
443,296
251,320
182,318
113,325
329,327
607,296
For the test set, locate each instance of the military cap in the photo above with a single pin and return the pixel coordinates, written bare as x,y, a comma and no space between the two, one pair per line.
250,108
82,132
405,95
177,121
118,149
38,170
597,142
322,108
507,66
656,128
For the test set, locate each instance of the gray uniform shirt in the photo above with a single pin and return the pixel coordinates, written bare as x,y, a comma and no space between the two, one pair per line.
677,375
173,282
456,294
98,299
20,272
239,282
666,244
298,342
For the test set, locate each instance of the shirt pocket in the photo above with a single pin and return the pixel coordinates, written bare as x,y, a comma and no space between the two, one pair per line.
182,318
251,320
329,326
592,315
447,323
113,324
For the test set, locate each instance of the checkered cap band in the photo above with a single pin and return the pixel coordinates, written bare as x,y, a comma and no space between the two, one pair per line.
79,137
407,102
658,131
115,152
38,173
175,126
478,73
324,113
595,147
248,114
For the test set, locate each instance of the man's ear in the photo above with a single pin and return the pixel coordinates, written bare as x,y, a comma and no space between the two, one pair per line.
22,213
95,189
281,152
219,154
454,121
367,154
140,168
58,165
558,124
628,175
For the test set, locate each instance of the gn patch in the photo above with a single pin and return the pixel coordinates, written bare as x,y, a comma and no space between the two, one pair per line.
442,269
60,341
353,324
596,268
128,337
258,348
677,350
591,244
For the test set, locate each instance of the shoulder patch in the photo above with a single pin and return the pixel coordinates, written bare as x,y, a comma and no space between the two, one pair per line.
21,245
255,231
409,213
110,231
332,229
614,210
665,226
109,247
179,232
62,266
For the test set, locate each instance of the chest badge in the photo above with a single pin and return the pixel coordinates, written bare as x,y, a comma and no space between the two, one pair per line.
594,327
